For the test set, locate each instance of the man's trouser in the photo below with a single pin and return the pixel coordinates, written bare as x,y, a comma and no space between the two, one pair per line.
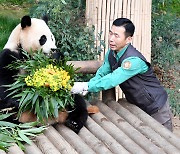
164,116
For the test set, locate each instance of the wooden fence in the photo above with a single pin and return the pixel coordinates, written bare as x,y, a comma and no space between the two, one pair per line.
101,14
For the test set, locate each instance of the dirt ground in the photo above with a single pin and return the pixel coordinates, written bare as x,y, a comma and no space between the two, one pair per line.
176,126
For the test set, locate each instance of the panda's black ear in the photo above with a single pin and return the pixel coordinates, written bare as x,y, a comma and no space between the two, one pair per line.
25,21
45,18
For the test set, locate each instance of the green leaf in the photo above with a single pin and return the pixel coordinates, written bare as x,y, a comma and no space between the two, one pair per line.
17,85
24,137
34,130
20,145
63,1
6,138
7,124
4,116
34,99
13,92
22,98
28,97
51,106
38,111
30,134
55,104
28,125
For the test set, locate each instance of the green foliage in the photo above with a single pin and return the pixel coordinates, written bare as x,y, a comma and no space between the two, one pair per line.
164,6
174,100
15,2
165,45
165,33
6,26
39,98
67,23
19,134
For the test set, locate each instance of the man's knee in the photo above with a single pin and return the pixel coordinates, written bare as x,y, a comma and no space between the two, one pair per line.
168,125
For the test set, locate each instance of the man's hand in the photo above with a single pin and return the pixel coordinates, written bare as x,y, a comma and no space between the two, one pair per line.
80,88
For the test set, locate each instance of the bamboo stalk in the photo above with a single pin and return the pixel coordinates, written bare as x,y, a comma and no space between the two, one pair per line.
112,12
15,150
124,14
116,8
107,24
96,20
30,149
149,121
103,24
96,144
137,14
120,9
88,67
141,127
109,141
99,22
128,9
87,12
74,140
128,129
116,133
58,141
149,29
143,40
133,16
45,145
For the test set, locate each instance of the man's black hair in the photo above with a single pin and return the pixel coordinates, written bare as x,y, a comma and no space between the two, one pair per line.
127,24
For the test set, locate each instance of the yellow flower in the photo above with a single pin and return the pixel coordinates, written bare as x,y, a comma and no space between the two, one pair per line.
49,77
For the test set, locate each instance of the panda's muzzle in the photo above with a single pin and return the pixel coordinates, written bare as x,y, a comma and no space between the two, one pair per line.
57,54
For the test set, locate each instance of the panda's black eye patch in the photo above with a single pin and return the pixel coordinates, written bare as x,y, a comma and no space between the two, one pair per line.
42,40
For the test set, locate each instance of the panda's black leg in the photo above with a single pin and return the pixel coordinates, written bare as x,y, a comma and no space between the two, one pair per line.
77,117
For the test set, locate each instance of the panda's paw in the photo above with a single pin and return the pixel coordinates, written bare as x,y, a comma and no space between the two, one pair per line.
73,125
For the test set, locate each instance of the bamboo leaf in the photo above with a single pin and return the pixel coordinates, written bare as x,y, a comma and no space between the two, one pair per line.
4,116
22,98
55,103
28,125
34,99
20,145
15,86
24,137
38,111
6,138
51,106
13,92
34,130
7,124
30,134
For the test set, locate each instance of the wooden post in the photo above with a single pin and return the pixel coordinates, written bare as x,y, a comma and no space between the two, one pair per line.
108,95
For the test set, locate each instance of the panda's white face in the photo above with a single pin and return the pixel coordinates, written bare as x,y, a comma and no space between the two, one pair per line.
32,34
37,36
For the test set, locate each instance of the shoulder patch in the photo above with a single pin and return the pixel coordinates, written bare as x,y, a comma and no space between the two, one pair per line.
127,65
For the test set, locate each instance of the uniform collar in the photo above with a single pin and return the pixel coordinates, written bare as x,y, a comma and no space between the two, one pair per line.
121,52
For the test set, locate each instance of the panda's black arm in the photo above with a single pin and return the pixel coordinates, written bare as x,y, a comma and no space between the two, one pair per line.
7,57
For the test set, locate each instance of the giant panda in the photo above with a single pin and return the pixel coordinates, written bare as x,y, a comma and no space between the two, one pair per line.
33,34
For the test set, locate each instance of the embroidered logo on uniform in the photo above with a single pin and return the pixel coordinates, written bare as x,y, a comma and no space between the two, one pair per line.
127,65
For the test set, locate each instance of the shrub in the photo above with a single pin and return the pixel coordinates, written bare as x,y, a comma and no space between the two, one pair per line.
67,22
165,47
6,26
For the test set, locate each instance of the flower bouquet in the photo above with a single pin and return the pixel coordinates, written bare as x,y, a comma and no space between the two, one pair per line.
44,89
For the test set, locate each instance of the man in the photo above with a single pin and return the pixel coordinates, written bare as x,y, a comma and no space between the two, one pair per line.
125,66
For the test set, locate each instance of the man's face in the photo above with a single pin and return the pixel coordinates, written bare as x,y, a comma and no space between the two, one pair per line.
117,39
